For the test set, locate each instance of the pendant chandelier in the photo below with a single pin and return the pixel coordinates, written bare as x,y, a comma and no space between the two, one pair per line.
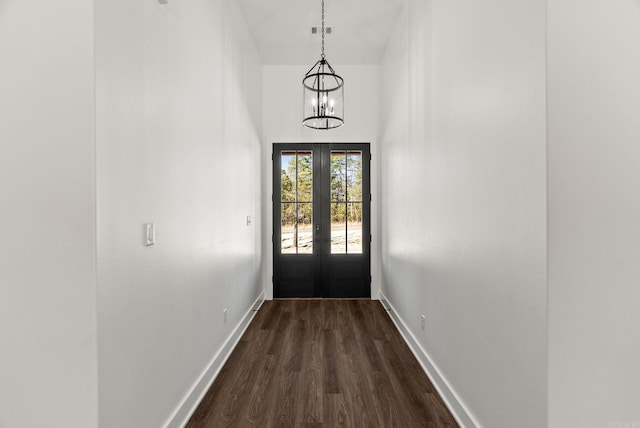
323,97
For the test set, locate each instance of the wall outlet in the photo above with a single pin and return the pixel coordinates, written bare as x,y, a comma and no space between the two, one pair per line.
225,315
423,321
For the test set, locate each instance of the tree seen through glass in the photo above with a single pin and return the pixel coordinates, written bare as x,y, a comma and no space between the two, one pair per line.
297,202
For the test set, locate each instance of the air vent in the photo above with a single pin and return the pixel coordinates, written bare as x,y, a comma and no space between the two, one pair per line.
316,30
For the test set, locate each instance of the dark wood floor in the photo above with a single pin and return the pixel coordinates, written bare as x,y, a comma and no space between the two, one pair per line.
322,363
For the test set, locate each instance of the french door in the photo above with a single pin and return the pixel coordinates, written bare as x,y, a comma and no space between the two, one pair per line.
322,220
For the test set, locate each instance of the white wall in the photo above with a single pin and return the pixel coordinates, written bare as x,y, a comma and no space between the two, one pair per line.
282,119
178,126
594,207
48,375
463,197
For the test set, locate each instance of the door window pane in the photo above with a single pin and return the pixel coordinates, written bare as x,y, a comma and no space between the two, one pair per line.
354,228
305,229
338,179
354,176
305,177
288,229
288,177
338,229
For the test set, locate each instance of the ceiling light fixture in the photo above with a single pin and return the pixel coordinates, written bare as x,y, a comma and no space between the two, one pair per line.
323,94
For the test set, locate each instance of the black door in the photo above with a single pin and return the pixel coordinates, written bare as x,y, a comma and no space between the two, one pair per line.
322,220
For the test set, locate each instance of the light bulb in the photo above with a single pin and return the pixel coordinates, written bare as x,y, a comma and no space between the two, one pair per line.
331,102
314,102
324,99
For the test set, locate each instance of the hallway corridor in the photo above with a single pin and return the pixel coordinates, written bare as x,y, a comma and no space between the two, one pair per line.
322,363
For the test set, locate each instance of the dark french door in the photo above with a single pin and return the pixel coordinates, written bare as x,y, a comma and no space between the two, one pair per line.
322,220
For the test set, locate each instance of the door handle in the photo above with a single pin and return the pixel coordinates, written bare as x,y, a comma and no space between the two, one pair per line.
317,228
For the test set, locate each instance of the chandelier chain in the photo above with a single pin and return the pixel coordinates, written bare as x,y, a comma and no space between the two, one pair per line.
322,30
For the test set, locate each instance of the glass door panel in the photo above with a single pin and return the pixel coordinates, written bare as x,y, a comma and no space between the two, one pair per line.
296,200
346,202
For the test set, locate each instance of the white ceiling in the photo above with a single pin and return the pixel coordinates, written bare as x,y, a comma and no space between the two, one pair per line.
282,29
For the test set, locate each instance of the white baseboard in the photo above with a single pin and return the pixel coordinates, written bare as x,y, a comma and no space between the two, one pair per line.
181,415
457,409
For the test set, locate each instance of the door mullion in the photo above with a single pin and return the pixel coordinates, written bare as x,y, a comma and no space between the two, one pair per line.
317,220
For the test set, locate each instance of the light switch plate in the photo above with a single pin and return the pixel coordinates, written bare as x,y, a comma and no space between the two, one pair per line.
248,220
149,234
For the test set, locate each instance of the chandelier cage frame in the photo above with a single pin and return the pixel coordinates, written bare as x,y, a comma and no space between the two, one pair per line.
323,94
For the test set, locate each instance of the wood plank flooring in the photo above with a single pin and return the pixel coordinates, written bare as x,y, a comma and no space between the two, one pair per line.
322,363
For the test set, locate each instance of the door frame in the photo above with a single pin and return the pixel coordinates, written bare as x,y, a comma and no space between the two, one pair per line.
267,209
324,273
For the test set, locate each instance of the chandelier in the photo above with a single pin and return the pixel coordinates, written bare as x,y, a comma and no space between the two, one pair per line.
323,94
